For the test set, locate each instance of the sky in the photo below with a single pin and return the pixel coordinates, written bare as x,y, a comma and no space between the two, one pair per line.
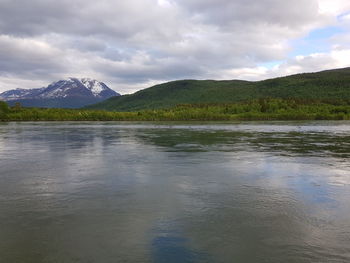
134,44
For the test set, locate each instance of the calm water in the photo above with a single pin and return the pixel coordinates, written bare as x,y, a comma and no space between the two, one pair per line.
109,192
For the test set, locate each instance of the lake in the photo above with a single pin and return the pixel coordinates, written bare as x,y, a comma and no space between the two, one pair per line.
175,192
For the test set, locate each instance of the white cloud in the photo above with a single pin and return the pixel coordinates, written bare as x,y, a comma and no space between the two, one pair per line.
333,7
299,64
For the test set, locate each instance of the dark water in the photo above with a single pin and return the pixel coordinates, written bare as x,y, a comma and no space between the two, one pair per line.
108,192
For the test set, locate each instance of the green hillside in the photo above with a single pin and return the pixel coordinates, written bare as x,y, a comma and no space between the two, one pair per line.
325,85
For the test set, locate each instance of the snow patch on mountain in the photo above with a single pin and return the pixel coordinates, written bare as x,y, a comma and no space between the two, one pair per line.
19,93
93,85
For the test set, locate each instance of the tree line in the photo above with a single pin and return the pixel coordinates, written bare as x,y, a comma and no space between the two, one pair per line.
258,109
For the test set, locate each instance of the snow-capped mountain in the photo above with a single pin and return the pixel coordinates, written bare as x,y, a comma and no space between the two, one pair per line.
16,94
69,93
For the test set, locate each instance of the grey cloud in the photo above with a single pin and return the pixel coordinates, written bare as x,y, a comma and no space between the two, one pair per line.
119,19
90,44
28,57
139,72
32,17
289,14
138,42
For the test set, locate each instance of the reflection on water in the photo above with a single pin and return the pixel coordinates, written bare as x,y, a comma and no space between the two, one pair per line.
169,245
109,192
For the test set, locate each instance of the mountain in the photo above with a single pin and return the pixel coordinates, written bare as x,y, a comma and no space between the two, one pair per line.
330,84
69,93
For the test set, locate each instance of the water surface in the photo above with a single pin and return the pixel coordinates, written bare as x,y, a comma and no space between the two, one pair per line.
172,192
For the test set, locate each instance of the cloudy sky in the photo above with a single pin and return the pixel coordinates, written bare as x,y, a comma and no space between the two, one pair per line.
133,44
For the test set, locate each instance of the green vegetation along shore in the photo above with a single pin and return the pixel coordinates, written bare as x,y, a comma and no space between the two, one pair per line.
259,109
330,84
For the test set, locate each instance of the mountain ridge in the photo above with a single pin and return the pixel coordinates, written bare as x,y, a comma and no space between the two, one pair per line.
329,84
67,93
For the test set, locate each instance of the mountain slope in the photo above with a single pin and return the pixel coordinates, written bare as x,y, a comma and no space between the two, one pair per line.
331,84
69,93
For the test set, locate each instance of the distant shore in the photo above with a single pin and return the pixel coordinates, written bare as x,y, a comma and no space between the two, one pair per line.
262,109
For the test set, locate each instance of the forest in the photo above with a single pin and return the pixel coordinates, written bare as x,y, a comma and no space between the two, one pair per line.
258,109
323,86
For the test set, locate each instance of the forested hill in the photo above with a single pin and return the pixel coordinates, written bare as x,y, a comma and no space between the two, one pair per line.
325,85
